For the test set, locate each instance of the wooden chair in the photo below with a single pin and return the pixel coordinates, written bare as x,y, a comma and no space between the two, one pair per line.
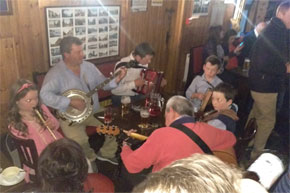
247,135
195,64
28,154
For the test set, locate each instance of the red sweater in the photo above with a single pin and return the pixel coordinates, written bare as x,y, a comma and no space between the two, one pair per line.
168,144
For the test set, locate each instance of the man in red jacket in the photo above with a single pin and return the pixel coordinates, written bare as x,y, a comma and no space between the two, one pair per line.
168,144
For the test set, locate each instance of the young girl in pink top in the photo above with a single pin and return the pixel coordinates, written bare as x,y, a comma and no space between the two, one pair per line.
23,121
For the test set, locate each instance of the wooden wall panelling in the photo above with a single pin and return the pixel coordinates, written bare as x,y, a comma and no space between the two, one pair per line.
261,11
9,72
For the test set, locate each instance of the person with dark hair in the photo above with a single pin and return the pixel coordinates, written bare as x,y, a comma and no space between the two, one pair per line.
168,143
213,45
63,167
232,49
75,73
270,61
200,84
142,55
23,121
225,116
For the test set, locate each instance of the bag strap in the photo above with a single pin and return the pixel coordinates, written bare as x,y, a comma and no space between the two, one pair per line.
192,135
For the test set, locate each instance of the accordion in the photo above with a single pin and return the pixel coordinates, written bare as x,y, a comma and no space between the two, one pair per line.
150,77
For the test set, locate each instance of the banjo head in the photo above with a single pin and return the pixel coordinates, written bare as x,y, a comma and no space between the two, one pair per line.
73,114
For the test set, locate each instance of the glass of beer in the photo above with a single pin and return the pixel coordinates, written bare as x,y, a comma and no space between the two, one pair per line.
144,114
246,65
125,100
108,115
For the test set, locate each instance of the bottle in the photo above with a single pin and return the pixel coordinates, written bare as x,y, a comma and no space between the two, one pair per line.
246,65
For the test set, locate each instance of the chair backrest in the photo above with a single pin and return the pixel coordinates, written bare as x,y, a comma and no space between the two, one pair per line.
38,78
247,135
195,64
28,154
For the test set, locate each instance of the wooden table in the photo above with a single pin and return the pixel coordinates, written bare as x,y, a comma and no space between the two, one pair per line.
133,119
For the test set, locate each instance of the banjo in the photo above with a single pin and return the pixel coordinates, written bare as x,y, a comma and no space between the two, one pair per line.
76,116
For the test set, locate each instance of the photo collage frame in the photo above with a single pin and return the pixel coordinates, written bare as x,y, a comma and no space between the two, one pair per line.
98,27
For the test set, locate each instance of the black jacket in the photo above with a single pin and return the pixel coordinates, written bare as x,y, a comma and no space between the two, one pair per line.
269,55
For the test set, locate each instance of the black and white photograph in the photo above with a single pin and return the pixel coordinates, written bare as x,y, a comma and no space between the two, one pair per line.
92,12
52,14
67,12
103,53
55,51
92,21
80,31
80,12
103,12
113,43
201,7
98,28
103,20
54,33
68,31
113,28
103,45
114,11
103,37
113,51
93,38
92,46
113,20
92,54
113,36
55,60
92,30
67,22
54,42
103,29
54,23
80,21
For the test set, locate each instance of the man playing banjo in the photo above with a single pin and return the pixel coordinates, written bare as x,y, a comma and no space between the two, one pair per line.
73,73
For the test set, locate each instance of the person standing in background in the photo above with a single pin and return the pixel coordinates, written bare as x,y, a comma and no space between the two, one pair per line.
269,64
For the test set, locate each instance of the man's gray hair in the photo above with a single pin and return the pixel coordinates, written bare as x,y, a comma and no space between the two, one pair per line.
181,105
198,173
66,44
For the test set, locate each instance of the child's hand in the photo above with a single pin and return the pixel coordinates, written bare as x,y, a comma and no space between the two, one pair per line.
200,96
50,124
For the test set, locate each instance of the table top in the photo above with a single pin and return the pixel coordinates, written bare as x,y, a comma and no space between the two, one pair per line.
133,119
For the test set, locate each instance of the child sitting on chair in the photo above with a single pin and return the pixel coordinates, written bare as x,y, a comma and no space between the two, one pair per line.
23,121
200,84
225,115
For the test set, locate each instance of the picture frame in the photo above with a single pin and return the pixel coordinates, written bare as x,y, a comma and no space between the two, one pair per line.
200,7
5,7
97,26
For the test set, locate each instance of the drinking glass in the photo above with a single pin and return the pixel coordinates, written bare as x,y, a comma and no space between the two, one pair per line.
108,115
125,100
144,114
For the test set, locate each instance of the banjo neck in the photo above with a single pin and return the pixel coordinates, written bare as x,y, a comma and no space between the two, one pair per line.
89,94
129,64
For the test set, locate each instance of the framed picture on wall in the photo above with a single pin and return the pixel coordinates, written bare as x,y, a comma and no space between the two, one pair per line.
5,7
200,7
97,26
